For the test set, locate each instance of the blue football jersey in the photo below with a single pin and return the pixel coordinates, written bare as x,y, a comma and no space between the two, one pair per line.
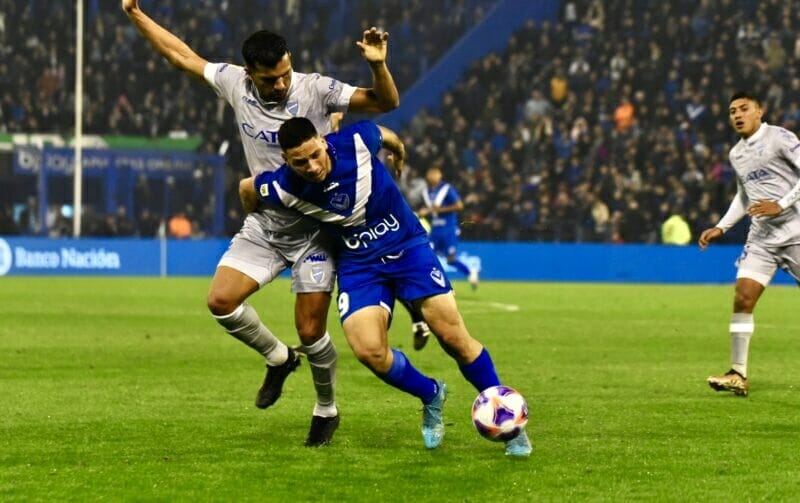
442,195
358,202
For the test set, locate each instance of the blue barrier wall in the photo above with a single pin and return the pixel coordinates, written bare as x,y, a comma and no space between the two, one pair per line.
497,261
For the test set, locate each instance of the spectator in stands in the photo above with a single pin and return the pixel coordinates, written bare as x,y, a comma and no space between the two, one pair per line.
672,61
675,230
179,226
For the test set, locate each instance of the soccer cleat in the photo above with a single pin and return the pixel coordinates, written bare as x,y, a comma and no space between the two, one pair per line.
273,383
421,334
730,381
432,421
473,279
322,430
519,446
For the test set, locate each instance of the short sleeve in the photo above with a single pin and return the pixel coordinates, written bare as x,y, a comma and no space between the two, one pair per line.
335,95
265,190
223,77
370,135
453,195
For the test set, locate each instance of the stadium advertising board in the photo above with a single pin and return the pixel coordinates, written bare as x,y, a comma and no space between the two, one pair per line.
31,256
496,261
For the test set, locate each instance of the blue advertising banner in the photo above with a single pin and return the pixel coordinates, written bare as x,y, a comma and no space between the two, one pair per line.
496,261
29,160
89,257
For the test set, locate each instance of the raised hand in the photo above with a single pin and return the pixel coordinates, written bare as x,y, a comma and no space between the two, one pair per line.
129,5
373,45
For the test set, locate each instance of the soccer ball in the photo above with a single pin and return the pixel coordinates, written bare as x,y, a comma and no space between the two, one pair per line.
499,413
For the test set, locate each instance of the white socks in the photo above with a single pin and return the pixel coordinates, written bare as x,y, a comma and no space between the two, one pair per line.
741,328
244,324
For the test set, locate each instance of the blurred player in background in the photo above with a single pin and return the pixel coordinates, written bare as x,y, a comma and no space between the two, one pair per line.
442,205
265,93
767,164
383,253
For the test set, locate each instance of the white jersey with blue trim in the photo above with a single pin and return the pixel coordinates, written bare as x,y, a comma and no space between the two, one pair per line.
310,95
358,201
767,166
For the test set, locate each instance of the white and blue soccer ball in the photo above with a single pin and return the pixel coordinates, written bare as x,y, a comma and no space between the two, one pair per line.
499,413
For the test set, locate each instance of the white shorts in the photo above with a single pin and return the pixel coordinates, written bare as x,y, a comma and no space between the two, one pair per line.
760,263
263,255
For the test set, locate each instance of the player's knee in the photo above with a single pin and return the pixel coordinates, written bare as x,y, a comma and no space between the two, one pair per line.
744,302
219,304
310,329
450,332
373,358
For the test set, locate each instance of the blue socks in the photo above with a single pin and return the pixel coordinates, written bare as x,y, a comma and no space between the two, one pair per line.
403,376
481,372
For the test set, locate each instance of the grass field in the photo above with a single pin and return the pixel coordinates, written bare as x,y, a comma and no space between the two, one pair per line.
125,389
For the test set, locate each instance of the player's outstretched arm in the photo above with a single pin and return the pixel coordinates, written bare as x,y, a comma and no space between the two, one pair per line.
383,96
247,194
180,55
394,145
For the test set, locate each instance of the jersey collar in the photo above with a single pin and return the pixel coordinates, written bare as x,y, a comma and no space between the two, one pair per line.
273,104
757,135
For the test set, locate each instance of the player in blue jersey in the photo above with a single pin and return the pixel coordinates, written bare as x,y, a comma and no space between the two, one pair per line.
263,93
382,252
442,205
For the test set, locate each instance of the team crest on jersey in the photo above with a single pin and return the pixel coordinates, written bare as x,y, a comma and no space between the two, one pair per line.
340,201
317,273
438,277
292,107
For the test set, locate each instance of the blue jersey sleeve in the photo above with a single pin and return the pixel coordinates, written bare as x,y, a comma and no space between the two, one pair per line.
453,196
264,188
369,132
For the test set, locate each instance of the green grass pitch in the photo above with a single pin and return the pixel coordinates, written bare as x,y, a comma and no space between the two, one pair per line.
125,389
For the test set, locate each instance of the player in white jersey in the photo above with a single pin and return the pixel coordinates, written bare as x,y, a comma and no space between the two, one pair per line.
263,94
767,164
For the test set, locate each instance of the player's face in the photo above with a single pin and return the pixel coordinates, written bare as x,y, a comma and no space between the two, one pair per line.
310,159
433,177
273,82
745,116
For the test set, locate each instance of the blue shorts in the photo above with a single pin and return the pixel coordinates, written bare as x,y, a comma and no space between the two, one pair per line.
444,242
414,273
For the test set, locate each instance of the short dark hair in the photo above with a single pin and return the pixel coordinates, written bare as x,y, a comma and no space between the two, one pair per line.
745,95
264,48
295,132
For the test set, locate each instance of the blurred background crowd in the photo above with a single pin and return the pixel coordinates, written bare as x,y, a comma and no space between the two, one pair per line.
598,127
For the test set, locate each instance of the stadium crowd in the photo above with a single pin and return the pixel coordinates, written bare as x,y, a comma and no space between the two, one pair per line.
598,127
